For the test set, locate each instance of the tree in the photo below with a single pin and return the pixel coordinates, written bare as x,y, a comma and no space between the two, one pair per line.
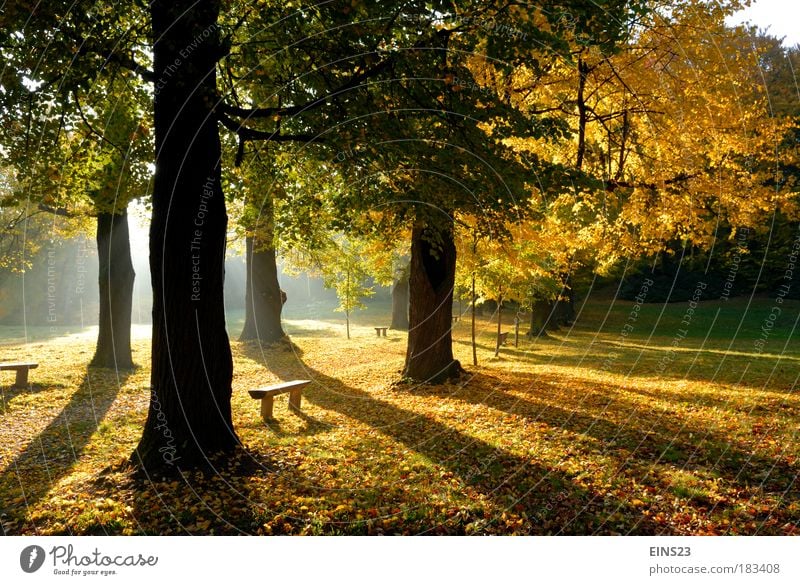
346,264
264,298
125,142
189,416
669,140
415,70
346,272
75,131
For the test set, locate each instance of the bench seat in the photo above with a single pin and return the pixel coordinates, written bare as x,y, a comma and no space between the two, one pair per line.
267,393
22,369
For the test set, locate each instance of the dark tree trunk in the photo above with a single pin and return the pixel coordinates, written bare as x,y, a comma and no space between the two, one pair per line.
542,318
400,303
116,292
564,313
429,356
190,402
583,72
263,297
570,302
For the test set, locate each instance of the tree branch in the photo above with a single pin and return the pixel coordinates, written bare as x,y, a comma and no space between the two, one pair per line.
128,62
679,178
352,83
95,132
249,134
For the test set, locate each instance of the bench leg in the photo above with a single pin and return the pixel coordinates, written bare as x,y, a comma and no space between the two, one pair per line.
266,407
294,399
22,378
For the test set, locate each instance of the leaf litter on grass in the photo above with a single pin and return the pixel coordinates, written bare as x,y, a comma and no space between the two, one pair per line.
541,442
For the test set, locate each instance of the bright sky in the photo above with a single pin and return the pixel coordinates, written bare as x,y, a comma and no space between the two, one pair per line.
780,18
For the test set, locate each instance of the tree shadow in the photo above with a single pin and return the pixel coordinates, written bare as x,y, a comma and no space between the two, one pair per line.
7,393
257,351
621,428
51,455
314,333
544,496
688,363
312,426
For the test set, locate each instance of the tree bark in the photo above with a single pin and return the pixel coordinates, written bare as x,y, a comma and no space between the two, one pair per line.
429,356
564,312
542,318
400,303
263,296
190,403
116,277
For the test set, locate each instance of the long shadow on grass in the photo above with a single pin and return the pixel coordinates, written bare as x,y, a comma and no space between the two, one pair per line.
548,498
7,394
625,430
51,454
581,350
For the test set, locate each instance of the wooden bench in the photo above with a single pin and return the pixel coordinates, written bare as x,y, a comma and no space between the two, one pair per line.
379,330
503,338
267,394
22,369
455,318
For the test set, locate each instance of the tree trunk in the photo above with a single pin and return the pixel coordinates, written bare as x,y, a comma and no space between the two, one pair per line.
190,402
541,318
429,356
263,296
115,279
400,303
474,344
564,313
583,72
499,324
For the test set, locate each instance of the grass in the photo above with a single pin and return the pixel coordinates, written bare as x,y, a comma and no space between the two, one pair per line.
586,431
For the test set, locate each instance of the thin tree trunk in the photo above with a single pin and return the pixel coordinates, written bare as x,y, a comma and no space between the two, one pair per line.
400,303
499,323
429,356
190,403
116,277
347,300
583,72
264,298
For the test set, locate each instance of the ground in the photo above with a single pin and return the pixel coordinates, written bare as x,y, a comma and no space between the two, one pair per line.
637,420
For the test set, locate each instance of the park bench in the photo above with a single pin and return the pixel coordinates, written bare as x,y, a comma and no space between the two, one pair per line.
22,369
503,338
455,318
267,394
381,330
